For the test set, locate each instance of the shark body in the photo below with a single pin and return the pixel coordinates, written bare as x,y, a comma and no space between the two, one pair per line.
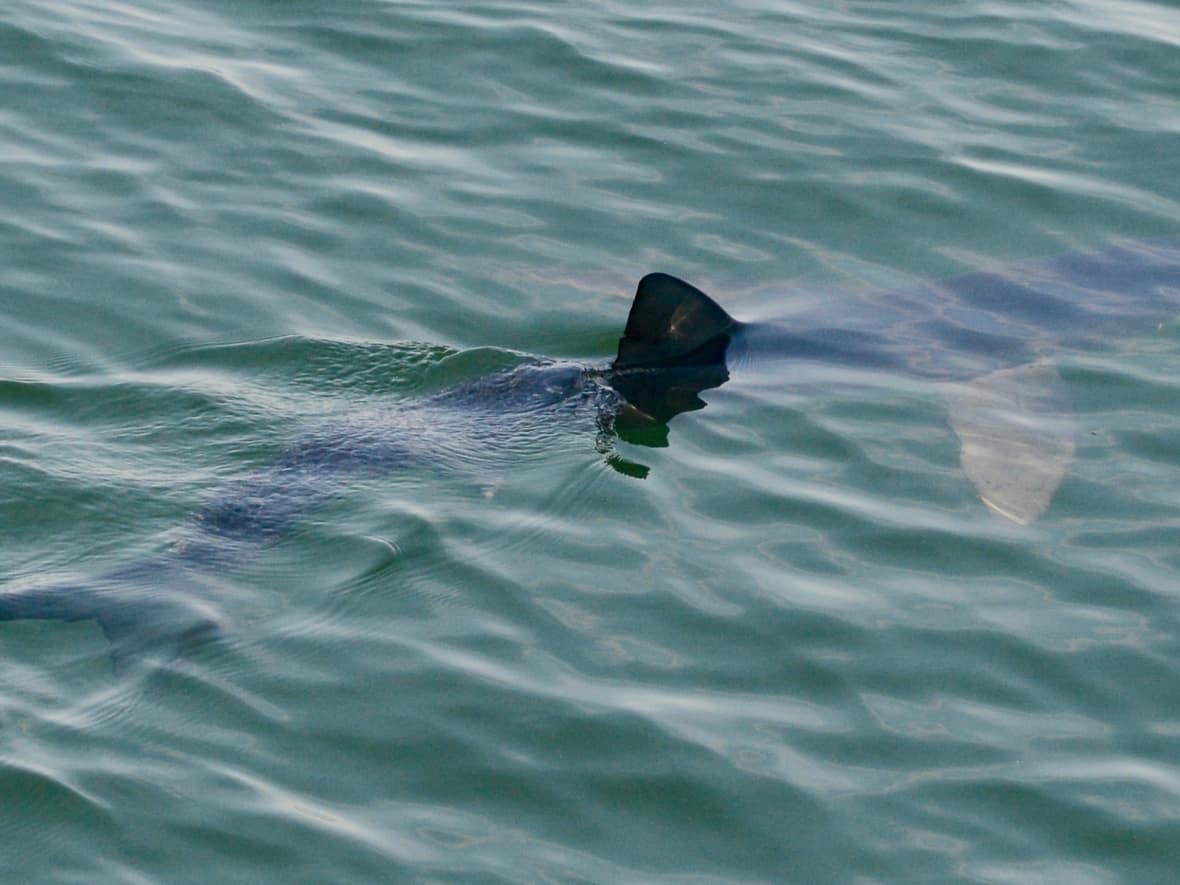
987,337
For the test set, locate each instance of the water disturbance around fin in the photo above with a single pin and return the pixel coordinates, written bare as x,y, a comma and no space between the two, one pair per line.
673,324
1016,433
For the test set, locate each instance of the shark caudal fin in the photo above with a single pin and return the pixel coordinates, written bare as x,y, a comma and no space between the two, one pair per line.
136,617
672,349
673,324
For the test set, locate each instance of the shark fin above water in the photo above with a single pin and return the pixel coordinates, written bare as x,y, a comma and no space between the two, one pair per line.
1016,433
673,324
672,349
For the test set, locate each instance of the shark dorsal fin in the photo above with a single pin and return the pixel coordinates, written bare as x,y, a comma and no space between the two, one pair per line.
672,323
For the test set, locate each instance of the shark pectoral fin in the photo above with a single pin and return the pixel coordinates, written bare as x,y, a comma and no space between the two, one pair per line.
1016,434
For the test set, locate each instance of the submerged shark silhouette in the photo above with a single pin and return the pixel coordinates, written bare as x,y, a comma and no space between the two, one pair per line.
985,337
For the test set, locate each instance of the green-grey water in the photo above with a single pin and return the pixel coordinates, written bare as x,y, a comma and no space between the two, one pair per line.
799,650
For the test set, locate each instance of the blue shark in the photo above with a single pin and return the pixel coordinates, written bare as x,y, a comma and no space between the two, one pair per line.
986,338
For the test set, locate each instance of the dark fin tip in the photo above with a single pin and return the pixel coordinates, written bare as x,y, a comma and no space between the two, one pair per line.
670,321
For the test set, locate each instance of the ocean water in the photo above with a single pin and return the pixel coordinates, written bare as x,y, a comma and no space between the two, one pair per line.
798,649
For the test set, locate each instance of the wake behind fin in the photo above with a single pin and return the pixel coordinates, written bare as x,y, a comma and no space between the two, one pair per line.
673,324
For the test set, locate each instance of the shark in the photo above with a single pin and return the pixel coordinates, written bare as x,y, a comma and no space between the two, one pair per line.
987,339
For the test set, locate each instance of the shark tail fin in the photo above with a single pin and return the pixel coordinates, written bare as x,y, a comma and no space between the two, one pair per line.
61,602
134,617
673,324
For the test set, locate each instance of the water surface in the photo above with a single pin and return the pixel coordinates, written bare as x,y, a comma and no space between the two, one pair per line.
799,650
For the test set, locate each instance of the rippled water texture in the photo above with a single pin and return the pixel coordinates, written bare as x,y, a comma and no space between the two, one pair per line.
800,649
